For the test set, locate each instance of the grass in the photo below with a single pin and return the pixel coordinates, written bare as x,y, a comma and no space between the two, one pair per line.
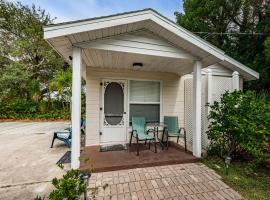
250,185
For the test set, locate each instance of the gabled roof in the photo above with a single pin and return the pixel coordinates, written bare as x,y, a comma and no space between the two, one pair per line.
58,35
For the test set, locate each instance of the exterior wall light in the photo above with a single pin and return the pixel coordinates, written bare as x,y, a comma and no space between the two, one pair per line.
137,65
85,177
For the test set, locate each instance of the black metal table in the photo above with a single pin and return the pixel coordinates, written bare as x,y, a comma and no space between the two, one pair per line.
156,127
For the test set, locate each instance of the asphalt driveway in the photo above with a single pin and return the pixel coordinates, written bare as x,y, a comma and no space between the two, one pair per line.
27,163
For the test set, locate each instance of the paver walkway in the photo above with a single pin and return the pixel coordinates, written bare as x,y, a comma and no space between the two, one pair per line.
182,181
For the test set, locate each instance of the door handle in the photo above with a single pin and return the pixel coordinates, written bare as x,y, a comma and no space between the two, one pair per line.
124,113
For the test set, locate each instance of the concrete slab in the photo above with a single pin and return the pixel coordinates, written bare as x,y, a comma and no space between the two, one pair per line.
27,163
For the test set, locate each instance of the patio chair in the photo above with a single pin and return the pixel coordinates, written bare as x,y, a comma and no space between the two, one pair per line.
66,135
140,133
83,124
172,130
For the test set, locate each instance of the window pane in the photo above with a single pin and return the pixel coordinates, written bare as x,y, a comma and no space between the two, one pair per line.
144,91
149,111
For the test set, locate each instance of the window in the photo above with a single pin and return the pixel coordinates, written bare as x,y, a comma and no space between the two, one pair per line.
144,100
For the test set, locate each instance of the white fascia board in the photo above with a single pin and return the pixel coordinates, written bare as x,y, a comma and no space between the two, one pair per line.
187,35
252,75
78,27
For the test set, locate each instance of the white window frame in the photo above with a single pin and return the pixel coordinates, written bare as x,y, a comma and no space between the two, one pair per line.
160,98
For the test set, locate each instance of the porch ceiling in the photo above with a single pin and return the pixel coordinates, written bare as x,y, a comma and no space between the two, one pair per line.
123,60
64,36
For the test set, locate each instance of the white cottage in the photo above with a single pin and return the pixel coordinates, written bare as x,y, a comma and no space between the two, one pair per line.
142,63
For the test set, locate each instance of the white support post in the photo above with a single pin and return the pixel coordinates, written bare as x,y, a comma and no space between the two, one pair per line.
235,80
196,114
76,108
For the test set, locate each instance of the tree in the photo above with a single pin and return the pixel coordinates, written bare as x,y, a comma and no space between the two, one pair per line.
28,65
214,17
27,62
61,83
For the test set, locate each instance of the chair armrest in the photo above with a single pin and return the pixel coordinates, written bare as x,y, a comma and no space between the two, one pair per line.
134,132
62,132
63,135
182,128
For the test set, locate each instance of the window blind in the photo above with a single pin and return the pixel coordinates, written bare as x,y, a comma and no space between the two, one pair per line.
144,91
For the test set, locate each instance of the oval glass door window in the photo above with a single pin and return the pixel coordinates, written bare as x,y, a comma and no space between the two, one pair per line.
113,103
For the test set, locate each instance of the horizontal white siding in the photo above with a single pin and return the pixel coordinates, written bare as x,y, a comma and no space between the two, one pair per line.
172,96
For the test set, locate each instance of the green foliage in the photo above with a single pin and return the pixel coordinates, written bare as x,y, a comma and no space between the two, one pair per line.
267,48
244,16
21,109
70,187
38,198
62,83
250,185
240,122
30,70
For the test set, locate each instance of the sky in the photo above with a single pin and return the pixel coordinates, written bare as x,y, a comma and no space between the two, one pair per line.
68,10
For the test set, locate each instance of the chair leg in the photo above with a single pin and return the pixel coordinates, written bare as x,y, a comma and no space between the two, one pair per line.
146,140
167,141
177,139
67,143
54,136
130,138
185,139
137,145
149,144
155,145
162,138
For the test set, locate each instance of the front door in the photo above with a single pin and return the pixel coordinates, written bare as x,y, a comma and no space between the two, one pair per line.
113,116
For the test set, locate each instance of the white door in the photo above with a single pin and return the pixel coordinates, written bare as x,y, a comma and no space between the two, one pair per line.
113,117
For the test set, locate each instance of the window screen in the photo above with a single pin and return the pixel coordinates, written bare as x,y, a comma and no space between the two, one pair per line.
144,98
149,111
113,103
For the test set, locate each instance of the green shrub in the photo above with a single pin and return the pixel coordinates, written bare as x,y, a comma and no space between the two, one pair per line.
38,198
240,123
70,187
21,109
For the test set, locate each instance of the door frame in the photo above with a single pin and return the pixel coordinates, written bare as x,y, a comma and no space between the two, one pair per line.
101,118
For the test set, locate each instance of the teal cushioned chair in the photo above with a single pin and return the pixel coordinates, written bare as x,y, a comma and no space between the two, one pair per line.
172,129
140,133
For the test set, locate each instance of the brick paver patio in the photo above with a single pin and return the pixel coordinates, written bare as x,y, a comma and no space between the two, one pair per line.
181,181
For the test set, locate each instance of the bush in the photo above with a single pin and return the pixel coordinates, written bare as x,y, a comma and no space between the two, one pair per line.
20,109
240,122
70,187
